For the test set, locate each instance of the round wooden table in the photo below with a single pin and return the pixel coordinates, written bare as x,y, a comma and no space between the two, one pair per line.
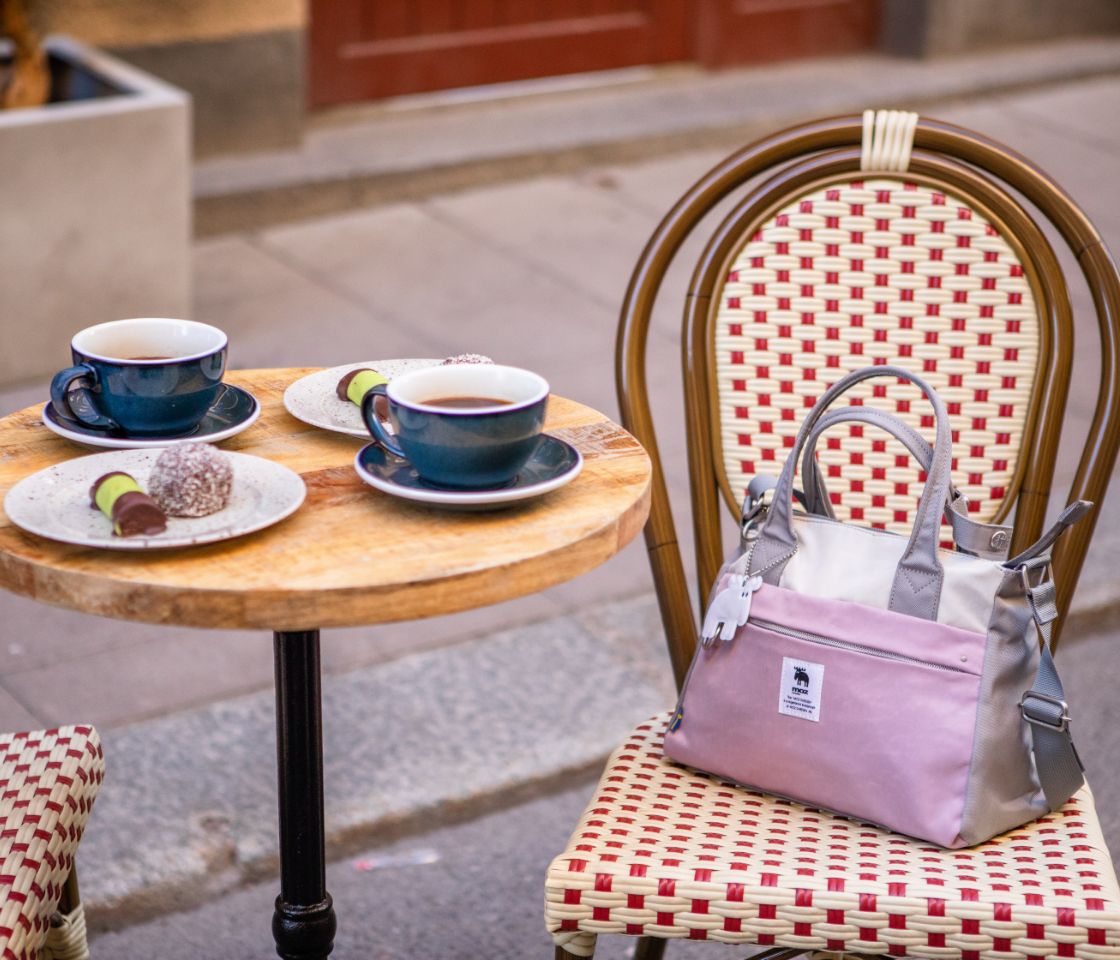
349,556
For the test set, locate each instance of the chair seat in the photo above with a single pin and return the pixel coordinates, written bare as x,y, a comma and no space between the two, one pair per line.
48,781
665,851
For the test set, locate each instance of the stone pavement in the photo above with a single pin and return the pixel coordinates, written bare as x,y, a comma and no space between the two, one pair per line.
532,273
471,890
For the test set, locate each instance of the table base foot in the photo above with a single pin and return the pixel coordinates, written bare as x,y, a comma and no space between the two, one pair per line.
304,932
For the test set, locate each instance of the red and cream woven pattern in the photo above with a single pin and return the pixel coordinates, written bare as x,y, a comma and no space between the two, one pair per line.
664,851
873,272
48,779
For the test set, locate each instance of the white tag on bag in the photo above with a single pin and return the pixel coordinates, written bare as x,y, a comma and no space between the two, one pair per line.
800,693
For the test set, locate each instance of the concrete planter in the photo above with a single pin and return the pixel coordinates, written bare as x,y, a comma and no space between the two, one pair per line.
95,208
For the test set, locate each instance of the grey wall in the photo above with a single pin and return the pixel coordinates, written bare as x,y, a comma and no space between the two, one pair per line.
248,90
938,27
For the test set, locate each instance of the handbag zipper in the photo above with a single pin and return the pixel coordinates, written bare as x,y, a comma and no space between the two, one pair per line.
845,645
678,712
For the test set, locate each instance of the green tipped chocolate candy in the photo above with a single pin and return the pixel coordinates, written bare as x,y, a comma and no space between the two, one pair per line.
105,490
357,383
131,510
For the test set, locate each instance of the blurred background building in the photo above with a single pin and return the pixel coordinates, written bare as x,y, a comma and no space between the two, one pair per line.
258,69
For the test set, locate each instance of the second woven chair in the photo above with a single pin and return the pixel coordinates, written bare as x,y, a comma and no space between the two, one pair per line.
48,782
859,240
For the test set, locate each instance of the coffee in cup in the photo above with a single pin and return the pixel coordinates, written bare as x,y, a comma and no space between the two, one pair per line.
462,426
149,376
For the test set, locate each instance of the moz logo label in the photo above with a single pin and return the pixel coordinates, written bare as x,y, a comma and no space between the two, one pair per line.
801,688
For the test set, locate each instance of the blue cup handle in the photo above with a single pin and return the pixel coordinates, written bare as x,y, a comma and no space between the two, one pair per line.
374,425
72,397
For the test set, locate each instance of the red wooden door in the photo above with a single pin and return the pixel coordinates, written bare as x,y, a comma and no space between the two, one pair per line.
365,49
754,31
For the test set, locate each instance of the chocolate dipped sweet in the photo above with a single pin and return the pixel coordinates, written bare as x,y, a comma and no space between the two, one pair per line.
191,480
132,512
353,387
355,384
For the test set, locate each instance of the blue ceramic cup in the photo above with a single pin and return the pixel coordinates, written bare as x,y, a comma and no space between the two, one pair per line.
466,426
150,376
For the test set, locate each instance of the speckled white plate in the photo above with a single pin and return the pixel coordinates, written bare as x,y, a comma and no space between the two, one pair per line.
314,398
54,503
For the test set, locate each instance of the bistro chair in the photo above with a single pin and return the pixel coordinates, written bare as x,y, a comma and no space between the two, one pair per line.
48,782
858,240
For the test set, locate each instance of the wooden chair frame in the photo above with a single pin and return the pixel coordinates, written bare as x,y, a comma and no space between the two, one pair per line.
944,154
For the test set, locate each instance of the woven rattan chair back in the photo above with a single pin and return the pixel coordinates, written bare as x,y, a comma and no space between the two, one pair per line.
878,270
824,266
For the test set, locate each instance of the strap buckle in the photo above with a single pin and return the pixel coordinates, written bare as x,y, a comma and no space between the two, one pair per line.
1039,566
1062,724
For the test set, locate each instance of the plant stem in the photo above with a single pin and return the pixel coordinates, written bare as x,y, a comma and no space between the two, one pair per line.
26,81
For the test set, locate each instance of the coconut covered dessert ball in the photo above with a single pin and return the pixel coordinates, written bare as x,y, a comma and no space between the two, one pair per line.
191,480
467,358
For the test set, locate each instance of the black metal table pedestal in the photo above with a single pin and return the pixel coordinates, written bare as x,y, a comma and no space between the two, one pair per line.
303,925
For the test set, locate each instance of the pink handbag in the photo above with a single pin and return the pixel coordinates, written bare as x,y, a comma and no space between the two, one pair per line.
880,676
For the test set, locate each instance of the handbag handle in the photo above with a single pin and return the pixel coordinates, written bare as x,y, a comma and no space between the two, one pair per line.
988,540
812,481
916,589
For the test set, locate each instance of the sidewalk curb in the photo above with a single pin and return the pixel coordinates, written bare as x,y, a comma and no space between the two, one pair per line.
430,739
715,111
223,875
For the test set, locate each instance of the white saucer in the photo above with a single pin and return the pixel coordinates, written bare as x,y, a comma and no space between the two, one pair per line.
553,464
234,410
314,398
54,502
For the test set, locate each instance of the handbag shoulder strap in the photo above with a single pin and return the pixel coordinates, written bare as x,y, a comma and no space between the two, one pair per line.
1044,706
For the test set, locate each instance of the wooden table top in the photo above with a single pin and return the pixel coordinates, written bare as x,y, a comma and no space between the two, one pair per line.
350,555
